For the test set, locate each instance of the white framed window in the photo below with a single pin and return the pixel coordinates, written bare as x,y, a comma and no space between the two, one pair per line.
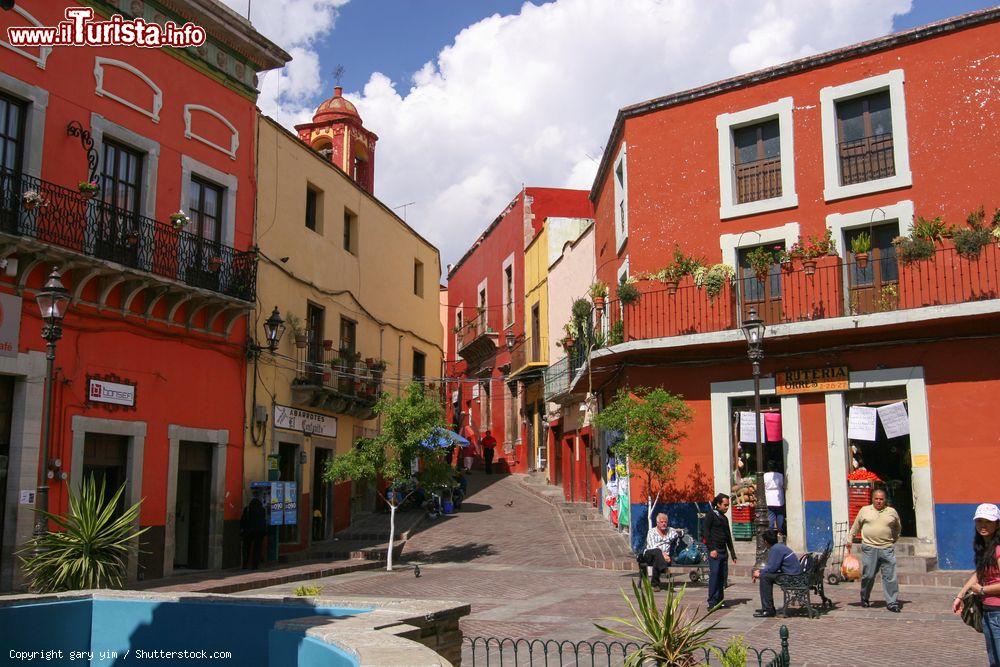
459,322
865,137
756,160
620,176
509,287
36,101
482,306
101,128
842,223
193,171
731,243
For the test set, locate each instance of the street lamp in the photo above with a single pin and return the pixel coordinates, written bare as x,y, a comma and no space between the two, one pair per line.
52,301
753,329
509,339
274,329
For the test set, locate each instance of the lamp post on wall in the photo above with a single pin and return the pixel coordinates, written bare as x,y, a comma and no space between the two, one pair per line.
274,329
52,300
753,329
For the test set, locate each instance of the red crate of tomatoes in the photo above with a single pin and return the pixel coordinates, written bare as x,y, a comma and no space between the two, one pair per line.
743,513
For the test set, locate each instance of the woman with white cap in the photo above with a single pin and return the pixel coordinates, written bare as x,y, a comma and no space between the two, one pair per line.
985,581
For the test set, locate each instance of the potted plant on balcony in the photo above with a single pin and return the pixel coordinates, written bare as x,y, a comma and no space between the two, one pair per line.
327,344
628,293
860,246
298,331
179,220
570,337
598,294
32,199
132,238
760,260
970,241
214,264
713,278
88,189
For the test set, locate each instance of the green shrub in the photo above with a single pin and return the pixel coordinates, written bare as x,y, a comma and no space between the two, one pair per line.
616,334
581,310
627,293
969,242
308,591
735,654
911,249
713,279
861,243
90,547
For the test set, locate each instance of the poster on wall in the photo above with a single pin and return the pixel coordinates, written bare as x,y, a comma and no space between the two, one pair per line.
277,513
861,423
747,431
291,503
895,421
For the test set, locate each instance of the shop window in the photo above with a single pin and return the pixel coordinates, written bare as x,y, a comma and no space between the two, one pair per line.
746,445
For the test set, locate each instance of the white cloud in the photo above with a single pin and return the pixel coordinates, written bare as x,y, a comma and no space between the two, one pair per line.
296,26
530,98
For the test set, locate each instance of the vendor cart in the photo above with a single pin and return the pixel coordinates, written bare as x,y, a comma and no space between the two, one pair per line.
840,543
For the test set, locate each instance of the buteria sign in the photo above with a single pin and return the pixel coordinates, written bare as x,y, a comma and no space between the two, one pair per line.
116,393
831,378
313,423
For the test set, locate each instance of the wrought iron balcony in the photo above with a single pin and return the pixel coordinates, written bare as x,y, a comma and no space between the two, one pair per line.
760,179
867,159
63,218
477,341
529,353
337,381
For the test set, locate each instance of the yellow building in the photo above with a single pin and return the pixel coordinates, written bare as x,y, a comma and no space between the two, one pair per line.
357,290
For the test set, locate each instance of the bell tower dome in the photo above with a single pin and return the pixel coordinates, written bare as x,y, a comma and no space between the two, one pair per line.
336,131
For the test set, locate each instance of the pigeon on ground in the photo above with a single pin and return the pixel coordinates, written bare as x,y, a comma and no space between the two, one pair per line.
510,504
416,571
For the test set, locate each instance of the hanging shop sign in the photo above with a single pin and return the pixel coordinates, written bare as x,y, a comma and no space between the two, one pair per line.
806,380
10,324
112,390
313,423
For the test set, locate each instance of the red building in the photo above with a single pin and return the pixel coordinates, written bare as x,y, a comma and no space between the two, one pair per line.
150,370
486,318
865,143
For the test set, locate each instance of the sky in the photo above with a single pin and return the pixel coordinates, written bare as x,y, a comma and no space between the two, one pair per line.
471,99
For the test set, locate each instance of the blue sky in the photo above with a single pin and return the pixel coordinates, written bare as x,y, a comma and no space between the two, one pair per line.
473,99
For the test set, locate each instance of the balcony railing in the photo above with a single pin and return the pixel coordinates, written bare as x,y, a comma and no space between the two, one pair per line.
95,228
473,329
557,377
836,288
760,179
337,382
866,159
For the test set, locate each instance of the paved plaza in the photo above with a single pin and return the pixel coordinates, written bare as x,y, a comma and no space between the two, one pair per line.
508,554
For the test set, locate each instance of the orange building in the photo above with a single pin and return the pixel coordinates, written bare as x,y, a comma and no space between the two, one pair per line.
752,175
150,371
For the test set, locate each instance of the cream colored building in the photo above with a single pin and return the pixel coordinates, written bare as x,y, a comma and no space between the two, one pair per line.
364,286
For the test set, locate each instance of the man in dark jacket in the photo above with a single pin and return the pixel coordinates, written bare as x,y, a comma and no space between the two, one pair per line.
780,560
253,528
719,540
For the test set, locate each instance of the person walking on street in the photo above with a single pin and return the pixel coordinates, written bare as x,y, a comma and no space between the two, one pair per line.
660,543
985,581
780,560
719,540
879,526
774,494
489,444
468,454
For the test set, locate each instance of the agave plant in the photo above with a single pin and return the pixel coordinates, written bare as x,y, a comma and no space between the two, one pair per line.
90,546
674,637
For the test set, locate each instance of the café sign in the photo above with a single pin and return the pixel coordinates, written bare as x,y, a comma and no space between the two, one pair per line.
311,423
808,380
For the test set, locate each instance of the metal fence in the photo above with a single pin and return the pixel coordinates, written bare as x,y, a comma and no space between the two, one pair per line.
511,652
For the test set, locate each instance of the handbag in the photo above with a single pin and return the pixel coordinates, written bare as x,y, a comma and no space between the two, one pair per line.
972,611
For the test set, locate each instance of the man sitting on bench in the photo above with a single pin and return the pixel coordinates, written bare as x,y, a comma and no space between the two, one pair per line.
660,543
780,560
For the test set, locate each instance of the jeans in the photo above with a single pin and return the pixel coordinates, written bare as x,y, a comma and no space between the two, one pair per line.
488,459
873,560
991,630
718,573
767,580
776,517
654,557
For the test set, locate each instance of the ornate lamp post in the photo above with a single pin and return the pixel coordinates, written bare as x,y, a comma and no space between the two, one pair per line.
274,329
52,301
753,329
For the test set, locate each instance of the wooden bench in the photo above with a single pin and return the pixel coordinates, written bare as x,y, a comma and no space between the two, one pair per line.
798,588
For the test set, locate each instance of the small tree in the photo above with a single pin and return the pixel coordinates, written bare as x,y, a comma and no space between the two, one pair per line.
650,421
411,430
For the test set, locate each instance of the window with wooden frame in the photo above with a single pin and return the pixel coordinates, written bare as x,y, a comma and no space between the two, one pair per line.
419,366
350,232
314,209
121,177
418,277
620,177
205,206
757,161
11,134
864,138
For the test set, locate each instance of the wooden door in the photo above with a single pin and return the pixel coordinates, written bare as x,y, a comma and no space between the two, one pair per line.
874,288
762,295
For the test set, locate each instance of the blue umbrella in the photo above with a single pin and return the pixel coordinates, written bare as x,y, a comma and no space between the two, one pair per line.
443,438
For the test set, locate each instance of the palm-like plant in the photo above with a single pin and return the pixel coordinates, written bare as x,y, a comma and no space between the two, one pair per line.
669,638
89,548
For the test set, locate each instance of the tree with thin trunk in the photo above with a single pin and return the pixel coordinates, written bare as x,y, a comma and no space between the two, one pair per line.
412,428
650,422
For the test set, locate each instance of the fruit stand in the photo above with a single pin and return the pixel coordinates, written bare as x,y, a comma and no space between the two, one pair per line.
860,485
744,498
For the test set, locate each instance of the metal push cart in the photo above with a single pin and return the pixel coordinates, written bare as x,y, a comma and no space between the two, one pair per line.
699,570
840,541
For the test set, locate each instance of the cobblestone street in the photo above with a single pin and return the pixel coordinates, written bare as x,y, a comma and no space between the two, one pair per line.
509,556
